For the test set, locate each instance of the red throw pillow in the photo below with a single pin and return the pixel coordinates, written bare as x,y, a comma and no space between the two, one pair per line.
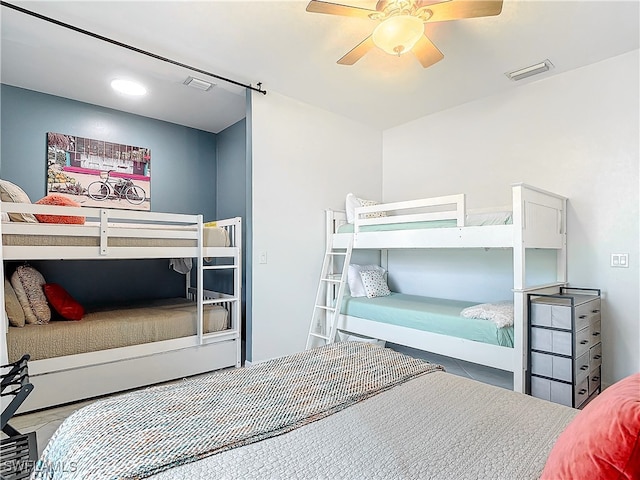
62,302
603,440
57,199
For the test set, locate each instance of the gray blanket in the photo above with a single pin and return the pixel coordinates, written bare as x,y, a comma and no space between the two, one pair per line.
146,432
436,426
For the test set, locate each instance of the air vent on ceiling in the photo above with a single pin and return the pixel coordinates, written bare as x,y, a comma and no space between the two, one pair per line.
199,84
530,70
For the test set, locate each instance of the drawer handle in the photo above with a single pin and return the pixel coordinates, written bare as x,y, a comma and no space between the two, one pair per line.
582,391
582,316
597,357
595,379
595,334
595,311
584,367
584,342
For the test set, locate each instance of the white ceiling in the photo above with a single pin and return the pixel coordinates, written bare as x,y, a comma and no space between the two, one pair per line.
294,53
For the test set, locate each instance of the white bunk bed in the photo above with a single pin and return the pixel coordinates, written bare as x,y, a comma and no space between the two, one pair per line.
126,234
538,221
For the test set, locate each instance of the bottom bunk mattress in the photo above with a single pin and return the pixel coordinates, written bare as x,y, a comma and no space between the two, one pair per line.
347,410
434,315
107,328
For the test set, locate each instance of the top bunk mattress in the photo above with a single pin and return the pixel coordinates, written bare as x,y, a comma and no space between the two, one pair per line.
472,220
211,237
435,315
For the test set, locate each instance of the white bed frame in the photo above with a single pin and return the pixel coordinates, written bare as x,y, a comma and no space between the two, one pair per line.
75,377
539,221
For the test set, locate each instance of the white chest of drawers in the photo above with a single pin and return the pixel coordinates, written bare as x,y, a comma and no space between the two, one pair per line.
565,349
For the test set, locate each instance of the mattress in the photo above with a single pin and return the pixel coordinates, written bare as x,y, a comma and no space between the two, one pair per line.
211,237
434,315
103,329
472,220
437,426
378,416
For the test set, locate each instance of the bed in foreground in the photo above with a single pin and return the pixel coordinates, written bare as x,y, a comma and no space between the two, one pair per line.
347,410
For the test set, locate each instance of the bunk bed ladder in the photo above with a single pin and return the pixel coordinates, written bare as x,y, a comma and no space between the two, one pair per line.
326,311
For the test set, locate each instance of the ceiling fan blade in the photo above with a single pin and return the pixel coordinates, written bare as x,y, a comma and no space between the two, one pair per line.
316,6
426,52
455,9
357,52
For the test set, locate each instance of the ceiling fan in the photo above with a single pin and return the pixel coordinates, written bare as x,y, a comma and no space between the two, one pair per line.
401,24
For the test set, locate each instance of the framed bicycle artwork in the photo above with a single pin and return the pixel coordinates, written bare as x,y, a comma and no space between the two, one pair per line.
97,173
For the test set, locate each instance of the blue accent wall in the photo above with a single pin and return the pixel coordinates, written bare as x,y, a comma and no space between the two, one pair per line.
231,190
183,180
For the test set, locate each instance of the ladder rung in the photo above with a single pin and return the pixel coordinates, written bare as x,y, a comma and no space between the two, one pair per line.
219,267
213,301
337,253
317,335
331,280
331,309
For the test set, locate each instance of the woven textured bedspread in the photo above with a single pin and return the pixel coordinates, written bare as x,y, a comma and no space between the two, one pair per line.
146,432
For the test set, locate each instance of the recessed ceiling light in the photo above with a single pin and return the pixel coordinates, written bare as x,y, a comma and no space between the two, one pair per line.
128,87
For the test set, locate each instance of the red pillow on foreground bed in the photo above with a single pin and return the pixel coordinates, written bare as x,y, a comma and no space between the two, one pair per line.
55,199
63,303
603,441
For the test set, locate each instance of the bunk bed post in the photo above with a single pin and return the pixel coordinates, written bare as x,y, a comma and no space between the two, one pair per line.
4,356
199,281
237,287
519,296
561,255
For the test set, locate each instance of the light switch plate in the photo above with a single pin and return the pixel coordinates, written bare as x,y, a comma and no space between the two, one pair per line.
620,260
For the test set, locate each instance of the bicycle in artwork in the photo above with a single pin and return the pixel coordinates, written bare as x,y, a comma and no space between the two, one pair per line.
118,188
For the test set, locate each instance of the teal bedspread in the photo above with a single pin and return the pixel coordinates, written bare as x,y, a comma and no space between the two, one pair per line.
434,315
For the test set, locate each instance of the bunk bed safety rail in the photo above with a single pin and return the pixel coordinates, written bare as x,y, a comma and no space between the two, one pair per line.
449,207
96,214
233,226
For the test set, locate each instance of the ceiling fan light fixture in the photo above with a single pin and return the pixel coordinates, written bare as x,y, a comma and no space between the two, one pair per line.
398,34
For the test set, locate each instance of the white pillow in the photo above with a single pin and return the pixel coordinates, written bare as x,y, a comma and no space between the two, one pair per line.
374,284
352,202
355,280
500,313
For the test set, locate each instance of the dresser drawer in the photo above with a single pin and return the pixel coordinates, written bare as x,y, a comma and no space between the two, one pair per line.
557,316
594,380
551,341
595,356
552,390
583,341
582,367
581,392
594,328
551,366
587,313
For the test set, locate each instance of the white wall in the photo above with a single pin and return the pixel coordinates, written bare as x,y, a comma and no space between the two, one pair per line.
575,134
304,160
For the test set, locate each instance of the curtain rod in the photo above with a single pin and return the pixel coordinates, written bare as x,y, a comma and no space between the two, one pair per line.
129,47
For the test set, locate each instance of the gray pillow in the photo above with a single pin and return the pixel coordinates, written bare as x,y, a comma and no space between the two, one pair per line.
11,193
27,283
12,306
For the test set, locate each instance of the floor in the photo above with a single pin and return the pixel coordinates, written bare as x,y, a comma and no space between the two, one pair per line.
492,376
45,422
